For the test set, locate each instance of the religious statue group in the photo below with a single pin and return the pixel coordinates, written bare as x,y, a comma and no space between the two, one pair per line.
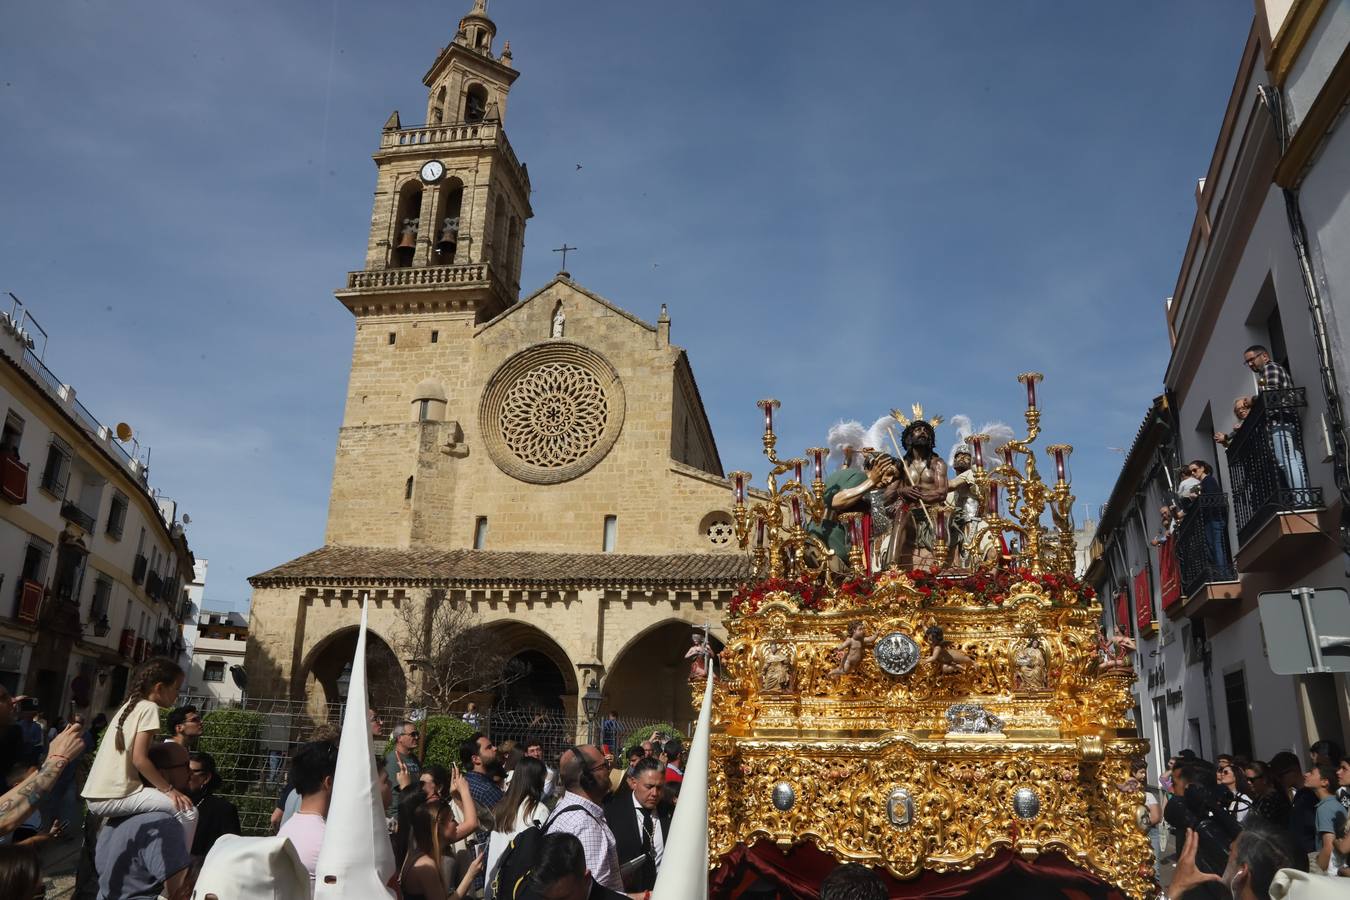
913,513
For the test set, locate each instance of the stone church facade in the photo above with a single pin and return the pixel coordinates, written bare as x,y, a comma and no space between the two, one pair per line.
546,462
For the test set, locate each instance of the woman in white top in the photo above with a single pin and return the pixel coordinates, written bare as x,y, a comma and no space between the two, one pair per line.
519,809
1235,781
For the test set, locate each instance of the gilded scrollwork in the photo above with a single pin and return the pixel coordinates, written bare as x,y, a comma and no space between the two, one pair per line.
846,744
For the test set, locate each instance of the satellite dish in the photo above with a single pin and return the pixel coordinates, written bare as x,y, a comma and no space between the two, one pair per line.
124,432
240,677
187,520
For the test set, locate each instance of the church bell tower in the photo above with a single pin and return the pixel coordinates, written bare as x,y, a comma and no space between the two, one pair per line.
451,199
447,229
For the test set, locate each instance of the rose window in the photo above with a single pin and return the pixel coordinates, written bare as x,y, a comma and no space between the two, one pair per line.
554,415
551,412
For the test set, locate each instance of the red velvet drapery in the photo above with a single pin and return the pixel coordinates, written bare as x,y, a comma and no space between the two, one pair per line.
798,872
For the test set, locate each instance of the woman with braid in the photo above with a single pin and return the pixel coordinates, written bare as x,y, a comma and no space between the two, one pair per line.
122,779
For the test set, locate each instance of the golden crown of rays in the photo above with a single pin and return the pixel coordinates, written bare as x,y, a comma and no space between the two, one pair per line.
917,410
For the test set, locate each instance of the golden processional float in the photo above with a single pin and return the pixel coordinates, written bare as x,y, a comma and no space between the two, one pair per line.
1003,736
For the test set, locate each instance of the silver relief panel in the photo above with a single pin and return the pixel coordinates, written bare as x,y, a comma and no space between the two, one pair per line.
896,653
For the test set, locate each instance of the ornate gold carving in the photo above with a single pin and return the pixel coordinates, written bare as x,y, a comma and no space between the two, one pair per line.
843,745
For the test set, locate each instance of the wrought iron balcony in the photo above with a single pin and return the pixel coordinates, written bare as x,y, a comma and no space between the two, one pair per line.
1266,461
71,512
1203,552
138,568
153,585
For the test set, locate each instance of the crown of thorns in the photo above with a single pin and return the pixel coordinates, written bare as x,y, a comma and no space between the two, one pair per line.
915,423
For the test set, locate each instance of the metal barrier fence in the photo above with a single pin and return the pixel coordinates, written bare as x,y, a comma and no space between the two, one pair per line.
256,772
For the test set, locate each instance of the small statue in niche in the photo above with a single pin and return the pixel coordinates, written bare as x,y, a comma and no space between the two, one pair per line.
776,674
559,322
948,659
850,651
699,655
1029,667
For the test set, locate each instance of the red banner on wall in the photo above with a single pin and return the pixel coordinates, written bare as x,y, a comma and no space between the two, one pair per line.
1171,573
1143,602
1123,610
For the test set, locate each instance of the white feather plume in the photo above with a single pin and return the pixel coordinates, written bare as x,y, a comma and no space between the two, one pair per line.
883,435
844,434
998,432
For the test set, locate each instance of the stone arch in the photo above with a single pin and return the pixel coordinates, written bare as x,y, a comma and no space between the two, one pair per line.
318,681
406,221
517,640
649,677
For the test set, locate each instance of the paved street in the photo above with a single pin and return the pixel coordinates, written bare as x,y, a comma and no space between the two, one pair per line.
59,861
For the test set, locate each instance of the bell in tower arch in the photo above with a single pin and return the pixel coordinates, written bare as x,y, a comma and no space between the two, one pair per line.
408,237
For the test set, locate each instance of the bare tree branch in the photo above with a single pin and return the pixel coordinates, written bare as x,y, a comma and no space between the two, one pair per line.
454,656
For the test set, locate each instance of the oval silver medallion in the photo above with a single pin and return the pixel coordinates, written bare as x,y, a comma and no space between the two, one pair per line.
1026,803
896,653
783,796
900,807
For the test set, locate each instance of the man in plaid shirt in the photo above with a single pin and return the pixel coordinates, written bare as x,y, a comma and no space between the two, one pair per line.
584,772
1283,423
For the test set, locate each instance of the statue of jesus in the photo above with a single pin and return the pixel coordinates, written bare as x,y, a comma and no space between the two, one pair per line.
913,500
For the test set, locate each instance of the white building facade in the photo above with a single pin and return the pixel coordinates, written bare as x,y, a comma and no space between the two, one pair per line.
221,638
92,573
1265,265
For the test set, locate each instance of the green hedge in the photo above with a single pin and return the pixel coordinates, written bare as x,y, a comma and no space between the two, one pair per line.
637,737
232,737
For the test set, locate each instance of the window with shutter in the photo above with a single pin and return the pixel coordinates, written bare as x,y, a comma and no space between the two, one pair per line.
56,473
117,515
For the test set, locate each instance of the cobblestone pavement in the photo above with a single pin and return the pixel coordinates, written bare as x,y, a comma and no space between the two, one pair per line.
59,861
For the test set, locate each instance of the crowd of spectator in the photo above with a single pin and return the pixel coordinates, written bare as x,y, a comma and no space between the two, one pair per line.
1278,814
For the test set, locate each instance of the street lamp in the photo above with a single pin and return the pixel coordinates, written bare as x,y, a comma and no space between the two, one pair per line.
591,702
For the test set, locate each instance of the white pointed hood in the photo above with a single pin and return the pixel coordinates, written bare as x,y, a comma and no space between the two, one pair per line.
357,860
684,866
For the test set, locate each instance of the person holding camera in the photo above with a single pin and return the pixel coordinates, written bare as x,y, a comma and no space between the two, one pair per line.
1197,816
1260,854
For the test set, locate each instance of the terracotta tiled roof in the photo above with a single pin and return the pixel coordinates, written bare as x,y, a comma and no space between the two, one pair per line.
334,565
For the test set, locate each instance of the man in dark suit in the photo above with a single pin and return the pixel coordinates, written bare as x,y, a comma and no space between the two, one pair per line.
640,824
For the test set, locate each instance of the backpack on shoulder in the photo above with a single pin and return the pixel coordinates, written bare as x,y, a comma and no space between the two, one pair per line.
510,878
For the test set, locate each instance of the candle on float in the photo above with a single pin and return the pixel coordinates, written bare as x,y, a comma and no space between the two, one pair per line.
855,531
1007,452
942,525
796,504
977,445
759,532
818,458
738,487
768,406
1059,464
797,470
993,498
1030,379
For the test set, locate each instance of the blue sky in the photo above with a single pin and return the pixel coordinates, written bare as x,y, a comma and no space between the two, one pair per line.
846,206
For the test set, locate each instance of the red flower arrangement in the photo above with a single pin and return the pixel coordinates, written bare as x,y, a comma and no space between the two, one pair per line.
994,588
749,597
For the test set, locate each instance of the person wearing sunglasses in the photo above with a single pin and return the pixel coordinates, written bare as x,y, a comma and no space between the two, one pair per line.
184,726
1233,780
1268,801
401,762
